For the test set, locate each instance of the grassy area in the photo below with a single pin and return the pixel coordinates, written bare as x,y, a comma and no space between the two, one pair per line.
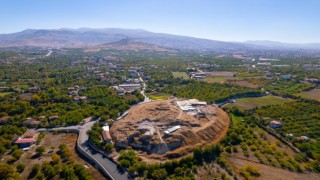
2,94
180,75
215,79
158,96
249,103
235,119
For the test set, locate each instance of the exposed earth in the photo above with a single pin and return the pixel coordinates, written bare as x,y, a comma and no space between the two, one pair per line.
143,129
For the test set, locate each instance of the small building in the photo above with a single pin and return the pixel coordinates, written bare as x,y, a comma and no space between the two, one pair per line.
120,91
106,136
287,77
25,142
171,130
303,138
106,128
52,118
130,87
275,124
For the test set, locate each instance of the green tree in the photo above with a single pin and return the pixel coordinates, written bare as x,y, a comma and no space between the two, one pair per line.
20,167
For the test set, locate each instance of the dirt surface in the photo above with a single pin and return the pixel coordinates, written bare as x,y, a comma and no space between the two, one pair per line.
245,84
196,129
312,94
51,142
226,74
269,172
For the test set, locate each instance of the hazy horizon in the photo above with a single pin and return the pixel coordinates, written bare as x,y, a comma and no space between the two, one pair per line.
286,21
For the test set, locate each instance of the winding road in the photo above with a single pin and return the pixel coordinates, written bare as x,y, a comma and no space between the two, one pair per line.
108,167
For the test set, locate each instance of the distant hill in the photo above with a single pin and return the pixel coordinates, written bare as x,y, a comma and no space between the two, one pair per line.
275,44
127,44
86,37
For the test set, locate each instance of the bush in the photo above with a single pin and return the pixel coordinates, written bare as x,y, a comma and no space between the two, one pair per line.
20,168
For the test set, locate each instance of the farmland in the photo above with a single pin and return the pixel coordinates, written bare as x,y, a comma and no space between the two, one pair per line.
299,119
158,96
312,94
182,75
250,103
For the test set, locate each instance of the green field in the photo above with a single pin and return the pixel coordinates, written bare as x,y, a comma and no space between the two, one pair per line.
2,94
250,103
180,75
159,96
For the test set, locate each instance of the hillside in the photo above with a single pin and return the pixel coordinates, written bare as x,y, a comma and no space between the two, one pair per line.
91,37
127,45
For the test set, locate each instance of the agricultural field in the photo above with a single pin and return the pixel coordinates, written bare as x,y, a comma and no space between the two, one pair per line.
182,75
298,119
248,146
250,103
312,94
215,80
245,84
159,96
2,94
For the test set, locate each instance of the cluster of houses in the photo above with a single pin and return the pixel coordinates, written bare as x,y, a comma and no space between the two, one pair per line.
35,122
74,93
276,124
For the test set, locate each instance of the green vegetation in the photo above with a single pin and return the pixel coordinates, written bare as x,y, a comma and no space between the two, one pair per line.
249,103
182,75
183,169
300,119
209,92
158,96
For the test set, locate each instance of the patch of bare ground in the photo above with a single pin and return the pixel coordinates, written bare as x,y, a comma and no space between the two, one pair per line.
52,141
245,84
209,127
226,74
269,172
211,171
312,94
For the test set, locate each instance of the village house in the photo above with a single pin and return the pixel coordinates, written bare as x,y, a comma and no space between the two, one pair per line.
106,134
52,118
25,142
130,87
275,124
303,138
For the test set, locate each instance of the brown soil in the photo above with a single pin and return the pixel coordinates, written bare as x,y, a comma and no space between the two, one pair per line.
245,84
195,129
312,94
269,172
226,74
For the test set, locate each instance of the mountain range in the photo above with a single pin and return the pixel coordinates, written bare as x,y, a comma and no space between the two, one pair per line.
86,37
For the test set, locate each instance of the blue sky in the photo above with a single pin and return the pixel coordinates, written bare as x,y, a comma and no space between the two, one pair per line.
229,20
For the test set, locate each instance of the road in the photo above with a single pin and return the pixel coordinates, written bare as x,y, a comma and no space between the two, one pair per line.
144,86
110,167
49,53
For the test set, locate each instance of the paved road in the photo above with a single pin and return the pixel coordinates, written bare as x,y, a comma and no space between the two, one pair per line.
144,86
48,54
113,171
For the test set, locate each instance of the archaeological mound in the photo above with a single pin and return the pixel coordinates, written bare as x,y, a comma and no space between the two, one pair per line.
169,128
